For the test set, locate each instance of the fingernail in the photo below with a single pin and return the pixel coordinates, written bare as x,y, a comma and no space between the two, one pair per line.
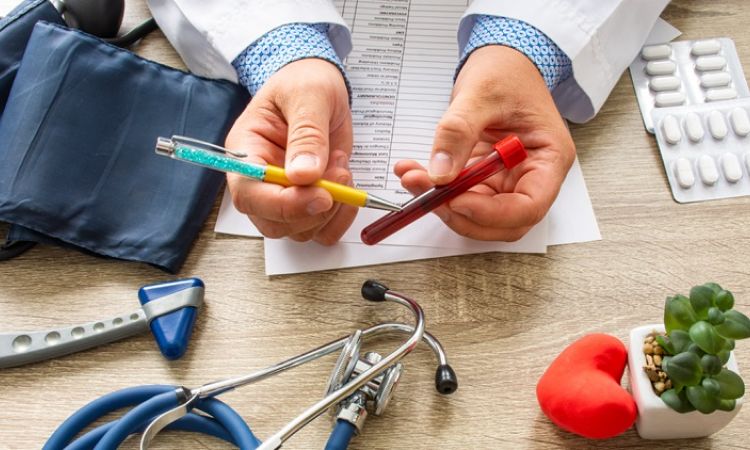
317,206
343,162
463,211
441,164
304,161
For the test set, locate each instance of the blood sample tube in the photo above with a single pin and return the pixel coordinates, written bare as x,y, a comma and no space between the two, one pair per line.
507,153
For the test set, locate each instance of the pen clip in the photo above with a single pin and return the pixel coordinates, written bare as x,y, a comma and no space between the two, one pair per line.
207,146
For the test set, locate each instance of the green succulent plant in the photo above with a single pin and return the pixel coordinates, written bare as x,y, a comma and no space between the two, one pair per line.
701,333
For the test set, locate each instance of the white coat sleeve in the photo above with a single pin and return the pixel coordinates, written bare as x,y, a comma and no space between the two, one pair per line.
210,34
601,38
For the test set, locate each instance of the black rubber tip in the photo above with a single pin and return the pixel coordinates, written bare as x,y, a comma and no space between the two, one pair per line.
374,291
446,381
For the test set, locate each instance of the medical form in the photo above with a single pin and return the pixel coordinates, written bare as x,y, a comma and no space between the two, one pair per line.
401,70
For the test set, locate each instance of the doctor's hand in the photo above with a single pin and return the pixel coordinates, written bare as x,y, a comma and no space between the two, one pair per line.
299,120
499,91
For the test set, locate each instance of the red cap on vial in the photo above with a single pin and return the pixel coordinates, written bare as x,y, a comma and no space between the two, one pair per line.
511,150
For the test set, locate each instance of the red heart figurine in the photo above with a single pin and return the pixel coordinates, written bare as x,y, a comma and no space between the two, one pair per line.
580,391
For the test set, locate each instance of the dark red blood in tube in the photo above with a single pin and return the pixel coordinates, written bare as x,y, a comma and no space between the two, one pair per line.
508,153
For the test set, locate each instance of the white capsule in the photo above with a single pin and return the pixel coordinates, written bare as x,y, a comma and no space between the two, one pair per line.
651,52
747,161
708,47
717,125
669,99
731,167
705,63
671,128
660,68
715,79
694,127
740,122
683,170
707,168
718,94
667,83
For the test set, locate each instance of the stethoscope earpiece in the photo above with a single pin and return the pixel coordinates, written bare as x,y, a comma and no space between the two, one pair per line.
446,381
374,291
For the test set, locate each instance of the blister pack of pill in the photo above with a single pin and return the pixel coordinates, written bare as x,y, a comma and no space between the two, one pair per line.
705,149
687,73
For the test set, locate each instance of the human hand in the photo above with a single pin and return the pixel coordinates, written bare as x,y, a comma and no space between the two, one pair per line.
299,120
498,92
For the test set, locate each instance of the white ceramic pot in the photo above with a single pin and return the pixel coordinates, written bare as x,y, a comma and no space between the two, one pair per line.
655,419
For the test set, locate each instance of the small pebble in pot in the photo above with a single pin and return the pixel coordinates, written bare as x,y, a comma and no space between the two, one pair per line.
654,354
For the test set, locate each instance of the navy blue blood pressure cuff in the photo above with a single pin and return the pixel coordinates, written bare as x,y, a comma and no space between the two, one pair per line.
77,137
15,29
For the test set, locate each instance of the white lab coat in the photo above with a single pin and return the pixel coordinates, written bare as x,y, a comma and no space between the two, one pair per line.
601,37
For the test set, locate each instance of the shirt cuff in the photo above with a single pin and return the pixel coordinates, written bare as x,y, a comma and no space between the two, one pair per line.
553,63
281,46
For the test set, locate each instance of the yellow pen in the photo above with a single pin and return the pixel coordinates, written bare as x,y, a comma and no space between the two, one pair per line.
219,158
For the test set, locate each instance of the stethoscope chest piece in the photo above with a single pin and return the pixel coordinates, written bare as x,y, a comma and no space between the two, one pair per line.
345,363
373,396
379,390
388,385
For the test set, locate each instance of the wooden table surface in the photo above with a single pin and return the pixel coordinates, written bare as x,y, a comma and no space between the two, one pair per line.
501,317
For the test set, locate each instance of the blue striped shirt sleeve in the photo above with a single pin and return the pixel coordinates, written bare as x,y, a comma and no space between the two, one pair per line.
281,46
553,63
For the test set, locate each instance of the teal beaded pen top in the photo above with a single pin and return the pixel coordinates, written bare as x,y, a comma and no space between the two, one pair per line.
219,158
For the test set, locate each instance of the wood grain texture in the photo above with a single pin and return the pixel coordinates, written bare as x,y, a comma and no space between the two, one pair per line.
502,317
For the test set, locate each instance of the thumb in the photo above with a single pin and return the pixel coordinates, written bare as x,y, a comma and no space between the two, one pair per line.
307,142
456,135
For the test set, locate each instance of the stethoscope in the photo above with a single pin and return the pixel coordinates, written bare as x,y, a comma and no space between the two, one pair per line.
354,384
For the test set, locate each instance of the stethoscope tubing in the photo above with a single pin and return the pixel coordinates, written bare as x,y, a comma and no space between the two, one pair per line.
342,434
192,422
99,408
151,400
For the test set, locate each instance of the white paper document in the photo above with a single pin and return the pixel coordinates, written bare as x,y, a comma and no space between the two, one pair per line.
662,32
401,70
284,256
